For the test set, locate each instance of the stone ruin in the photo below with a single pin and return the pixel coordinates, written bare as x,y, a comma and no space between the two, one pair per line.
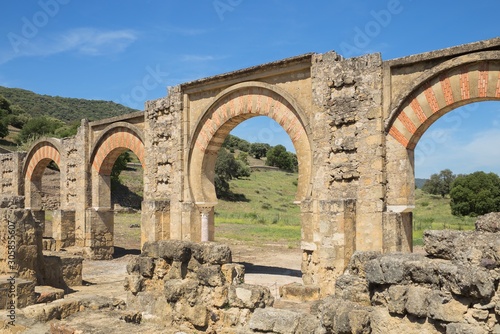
182,287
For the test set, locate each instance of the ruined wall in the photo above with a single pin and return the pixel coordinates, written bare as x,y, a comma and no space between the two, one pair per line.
12,183
178,283
345,211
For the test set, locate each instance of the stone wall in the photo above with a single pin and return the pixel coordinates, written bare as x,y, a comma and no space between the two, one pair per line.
12,182
182,283
452,289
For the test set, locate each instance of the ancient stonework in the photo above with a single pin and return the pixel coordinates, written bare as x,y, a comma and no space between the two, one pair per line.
354,123
180,282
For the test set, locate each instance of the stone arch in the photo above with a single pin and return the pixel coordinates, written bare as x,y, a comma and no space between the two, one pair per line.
233,106
113,141
450,85
41,153
39,156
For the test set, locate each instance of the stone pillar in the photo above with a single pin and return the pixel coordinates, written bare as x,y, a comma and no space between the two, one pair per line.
207,226
155,221
398,231
63,228
81,158
21,244
99,233
333,242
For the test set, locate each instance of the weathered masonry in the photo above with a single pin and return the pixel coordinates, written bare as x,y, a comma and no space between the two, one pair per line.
354,124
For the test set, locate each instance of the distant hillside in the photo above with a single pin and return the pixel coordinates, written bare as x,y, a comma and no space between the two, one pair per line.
63,108
419,183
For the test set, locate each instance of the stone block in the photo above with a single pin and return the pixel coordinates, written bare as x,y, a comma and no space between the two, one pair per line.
340,316
234,273
417,303
146,266
353,288
63,228
358,262
396,300
249,296
467,280
274,320
178,270
210,275
47,294
475,247
215,253
299,292
197,315
174,250
461,328
489,222
177,289
443,307
65,270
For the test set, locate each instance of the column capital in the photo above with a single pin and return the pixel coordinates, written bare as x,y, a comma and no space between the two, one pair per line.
205,207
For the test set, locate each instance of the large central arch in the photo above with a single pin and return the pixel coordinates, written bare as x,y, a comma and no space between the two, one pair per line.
231,107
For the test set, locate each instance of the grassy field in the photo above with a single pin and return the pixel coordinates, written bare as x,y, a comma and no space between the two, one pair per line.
432,212
265,211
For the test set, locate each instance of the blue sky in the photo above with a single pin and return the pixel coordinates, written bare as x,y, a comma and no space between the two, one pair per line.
130,51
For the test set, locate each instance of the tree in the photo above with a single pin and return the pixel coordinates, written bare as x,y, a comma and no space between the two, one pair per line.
37,127
5,111
235,143
475,194
259,150
439,184
119,166
226,169
278,156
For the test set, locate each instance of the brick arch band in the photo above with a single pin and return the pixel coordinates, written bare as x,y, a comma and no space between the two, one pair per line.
39,156
460,85
113,142
233,106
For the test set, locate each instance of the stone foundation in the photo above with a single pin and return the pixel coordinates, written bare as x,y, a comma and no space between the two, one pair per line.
183,283
62,270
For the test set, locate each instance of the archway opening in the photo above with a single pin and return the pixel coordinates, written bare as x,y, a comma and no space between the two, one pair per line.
50,196
114,150
127,188
460,142
257,215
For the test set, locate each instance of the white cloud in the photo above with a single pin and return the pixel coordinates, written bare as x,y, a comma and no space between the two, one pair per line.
483,153
460,154
86,41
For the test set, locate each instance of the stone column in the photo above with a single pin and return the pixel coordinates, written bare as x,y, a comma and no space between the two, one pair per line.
206,210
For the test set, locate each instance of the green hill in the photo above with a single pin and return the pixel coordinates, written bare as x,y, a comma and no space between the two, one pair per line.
63,108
